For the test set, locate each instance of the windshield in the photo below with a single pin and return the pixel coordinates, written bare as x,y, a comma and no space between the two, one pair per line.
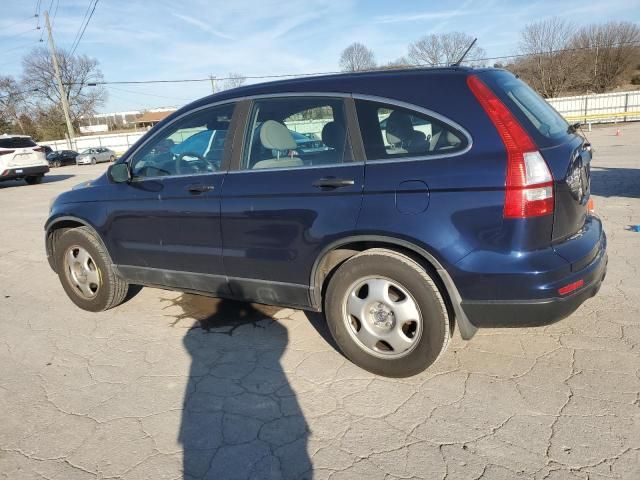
85,152
549,127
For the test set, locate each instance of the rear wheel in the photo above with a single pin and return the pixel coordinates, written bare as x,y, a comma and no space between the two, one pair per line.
85,271
34,180
386,313
112,158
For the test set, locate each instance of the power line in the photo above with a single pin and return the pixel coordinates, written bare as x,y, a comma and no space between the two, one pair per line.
21,33
17,94
148,94
73,48
312,74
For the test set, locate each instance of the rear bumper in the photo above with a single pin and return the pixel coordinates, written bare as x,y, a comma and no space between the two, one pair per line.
539,312
22,172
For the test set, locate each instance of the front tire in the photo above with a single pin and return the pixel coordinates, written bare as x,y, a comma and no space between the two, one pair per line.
85,271
93,161
386,313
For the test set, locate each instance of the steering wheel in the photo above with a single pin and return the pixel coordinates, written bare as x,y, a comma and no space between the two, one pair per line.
200,165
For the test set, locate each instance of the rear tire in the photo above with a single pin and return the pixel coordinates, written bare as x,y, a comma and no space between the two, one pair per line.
79,254
34,180
112,159
407,327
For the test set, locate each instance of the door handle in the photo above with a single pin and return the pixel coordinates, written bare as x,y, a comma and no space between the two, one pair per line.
199,188
333,182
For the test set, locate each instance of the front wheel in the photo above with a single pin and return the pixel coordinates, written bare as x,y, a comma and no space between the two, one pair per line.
93,161
85,271
386,313
57,164
112,158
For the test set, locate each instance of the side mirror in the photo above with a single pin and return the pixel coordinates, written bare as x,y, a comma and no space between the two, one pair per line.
119,173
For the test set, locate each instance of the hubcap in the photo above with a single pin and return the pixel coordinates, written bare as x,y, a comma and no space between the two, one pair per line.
82,272
382,317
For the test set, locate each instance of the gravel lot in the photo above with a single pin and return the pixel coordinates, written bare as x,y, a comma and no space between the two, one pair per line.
171,386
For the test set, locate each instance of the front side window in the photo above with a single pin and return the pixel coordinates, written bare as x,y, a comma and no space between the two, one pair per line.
193,145
389,131
296,132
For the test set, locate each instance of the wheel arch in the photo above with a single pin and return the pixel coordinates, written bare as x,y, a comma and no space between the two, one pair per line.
56,227
332,256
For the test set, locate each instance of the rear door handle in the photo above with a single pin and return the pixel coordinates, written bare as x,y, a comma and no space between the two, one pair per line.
199,188
333,182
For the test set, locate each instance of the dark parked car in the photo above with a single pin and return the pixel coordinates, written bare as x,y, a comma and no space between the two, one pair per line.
62,157
481,217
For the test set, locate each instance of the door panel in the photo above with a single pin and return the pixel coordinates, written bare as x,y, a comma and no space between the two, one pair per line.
166,230
275,223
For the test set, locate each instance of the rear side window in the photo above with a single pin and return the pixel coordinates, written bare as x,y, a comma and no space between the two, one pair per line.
389,131
296,132
17,142
539,118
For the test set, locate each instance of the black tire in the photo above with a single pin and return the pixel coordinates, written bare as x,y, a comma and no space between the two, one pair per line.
410,275
112,159
34,180
93,161
113,289
57,164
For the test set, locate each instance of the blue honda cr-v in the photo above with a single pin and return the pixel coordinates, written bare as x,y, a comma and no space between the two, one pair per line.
431,197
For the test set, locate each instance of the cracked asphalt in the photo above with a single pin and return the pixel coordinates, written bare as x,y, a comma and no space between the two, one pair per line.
172,386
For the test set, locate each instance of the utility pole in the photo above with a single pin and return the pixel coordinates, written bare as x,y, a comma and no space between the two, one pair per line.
213,83
63,95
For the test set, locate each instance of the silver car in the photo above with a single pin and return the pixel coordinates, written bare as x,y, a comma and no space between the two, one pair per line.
95,155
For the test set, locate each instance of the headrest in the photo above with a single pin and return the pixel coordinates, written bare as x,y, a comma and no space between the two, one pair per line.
275,136
333,135
399,127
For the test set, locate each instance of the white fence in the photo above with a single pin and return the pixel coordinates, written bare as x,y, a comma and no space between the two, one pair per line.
118,142
599,108
596,108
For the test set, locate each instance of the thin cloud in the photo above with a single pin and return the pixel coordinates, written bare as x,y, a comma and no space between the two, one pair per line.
202,25
444,15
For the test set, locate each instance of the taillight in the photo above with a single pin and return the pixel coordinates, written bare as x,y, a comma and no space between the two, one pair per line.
6,152
529,183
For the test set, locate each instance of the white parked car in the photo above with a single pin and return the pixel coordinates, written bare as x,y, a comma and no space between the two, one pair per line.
21,157
95,155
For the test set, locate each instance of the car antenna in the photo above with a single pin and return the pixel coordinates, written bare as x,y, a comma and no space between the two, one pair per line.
457,64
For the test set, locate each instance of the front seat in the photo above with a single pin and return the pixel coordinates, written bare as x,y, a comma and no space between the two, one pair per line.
275,136
402,136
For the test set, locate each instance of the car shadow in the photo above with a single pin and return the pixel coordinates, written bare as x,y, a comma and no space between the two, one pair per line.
615,182
46,179
240,417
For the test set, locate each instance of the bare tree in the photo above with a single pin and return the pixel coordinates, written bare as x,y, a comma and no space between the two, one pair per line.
444,49
550,65
356,57
234,80
610,51
396,64
12,101
77,73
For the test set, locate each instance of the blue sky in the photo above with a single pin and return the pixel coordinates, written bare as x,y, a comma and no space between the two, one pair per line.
139,40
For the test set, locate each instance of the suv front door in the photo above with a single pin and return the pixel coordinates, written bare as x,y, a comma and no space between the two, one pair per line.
283,202
166,228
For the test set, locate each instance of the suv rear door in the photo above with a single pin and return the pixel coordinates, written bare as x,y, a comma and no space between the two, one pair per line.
282,204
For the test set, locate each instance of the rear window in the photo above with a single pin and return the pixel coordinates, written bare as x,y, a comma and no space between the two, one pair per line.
541,119
16,142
